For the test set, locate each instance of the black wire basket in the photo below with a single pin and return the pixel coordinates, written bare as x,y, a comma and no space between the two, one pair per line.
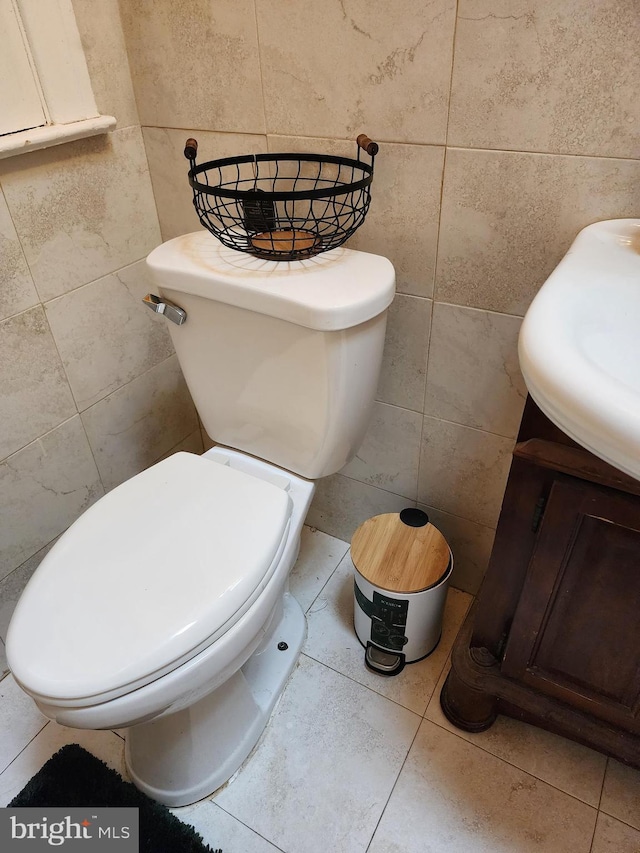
282,206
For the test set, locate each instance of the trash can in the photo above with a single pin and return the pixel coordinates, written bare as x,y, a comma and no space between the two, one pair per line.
402,568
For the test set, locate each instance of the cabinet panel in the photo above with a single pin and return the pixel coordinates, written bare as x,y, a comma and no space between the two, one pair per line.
576,631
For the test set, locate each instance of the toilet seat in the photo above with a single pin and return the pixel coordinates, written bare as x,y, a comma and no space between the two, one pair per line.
147,578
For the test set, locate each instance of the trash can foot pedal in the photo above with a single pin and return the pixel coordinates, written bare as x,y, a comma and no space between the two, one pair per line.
384,663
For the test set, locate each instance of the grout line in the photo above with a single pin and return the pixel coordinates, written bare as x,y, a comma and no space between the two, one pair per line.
150,179
393,787
607,814
604,776
476,429
541,153
242,823
619,820
417,500
437,253
308,654
482,310
515,766
80,413
593,834
44,302
125,44
335,569
390,141
60,359
39,438
39,732
394,701
24,254
25,561
264,108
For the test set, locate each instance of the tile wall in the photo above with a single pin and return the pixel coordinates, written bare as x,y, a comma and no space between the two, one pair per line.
505,127
90,390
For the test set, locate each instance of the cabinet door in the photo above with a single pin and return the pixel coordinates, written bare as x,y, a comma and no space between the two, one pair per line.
576,631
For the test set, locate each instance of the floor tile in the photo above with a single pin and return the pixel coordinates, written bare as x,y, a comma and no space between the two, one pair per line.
104,745
331,639
569,766
621,793
20,720
4,666
326,765
452,797
612,836
318,558
219,829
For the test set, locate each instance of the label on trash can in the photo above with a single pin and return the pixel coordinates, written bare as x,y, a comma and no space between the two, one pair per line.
388,619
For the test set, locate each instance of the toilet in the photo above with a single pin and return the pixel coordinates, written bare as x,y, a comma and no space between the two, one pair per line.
164,609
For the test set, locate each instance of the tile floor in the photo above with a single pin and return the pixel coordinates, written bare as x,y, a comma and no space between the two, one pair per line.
353,762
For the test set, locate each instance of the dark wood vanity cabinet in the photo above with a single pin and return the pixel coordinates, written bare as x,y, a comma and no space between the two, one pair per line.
554,637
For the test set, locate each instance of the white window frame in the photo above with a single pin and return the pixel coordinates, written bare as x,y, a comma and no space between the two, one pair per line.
60,66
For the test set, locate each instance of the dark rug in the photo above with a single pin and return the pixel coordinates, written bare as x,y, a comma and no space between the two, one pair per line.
74,777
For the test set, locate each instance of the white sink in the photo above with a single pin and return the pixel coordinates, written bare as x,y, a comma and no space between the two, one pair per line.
580,343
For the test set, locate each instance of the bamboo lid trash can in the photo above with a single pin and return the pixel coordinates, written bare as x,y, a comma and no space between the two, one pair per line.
402,568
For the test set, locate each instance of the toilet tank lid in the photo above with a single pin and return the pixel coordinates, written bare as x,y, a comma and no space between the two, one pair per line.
145,577
331,291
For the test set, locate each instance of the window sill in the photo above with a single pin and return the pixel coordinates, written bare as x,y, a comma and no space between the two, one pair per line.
24,141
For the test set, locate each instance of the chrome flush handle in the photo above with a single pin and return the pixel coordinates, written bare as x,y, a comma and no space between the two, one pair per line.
170,310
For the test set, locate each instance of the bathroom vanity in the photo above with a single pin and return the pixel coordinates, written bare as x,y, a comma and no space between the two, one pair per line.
554,637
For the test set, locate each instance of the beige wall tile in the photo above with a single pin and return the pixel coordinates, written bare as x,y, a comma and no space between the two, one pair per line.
165,152
82,209
35,394
404,363
105,335
473,377
195,63
388,457
508,219
612,836
344,67
470,544
560,76
463,471
133,427
402,223
17,290
104,47
191,444
406,188
43,489
341,504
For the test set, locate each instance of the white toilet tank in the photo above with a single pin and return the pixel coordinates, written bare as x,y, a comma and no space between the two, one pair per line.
282,358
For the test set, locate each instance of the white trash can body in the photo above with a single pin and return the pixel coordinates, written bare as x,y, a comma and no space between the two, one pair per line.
402,566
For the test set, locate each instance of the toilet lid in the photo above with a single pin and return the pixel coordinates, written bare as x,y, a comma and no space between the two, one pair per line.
146,577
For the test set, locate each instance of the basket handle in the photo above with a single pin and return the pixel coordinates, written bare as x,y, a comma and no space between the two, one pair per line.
191,148
365,143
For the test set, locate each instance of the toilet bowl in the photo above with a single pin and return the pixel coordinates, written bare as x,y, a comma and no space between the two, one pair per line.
164,609
210,687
